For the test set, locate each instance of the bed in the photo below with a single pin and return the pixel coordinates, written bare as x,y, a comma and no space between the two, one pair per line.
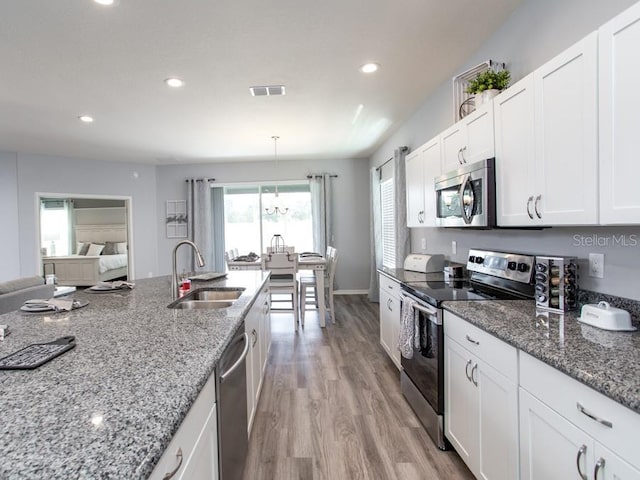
88,269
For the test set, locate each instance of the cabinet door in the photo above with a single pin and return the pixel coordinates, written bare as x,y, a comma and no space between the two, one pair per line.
251,328
461,407
566,133
479,135
414,171
432,161
550,447
514,124
265,331
609,466
202,464
452,141
389,316
498,430
619,106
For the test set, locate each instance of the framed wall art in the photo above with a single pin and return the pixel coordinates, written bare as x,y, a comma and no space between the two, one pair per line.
176,220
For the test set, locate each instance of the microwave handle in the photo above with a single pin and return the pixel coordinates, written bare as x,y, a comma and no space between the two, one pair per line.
463,212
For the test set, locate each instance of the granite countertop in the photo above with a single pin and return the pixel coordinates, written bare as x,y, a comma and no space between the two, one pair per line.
608,362
109,407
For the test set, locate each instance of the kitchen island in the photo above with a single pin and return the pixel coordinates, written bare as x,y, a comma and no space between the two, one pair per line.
109,407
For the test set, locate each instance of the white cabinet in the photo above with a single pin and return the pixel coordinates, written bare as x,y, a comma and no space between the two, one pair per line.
481,400
193,450
422,167
469,140
547,145
390,317
565,425
566,136
515,153
257,326
619,106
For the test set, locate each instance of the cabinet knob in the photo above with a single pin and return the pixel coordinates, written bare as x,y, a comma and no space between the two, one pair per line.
169,475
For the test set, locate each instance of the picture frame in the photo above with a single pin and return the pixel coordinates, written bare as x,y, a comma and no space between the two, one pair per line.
176,219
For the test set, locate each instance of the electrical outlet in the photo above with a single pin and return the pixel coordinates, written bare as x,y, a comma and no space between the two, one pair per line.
454,247
423,243
596,265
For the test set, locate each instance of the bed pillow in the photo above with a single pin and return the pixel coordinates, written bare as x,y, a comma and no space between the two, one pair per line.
95,249
110,248
84,248
121,247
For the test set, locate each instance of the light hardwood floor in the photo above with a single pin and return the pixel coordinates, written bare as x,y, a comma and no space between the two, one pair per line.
331,407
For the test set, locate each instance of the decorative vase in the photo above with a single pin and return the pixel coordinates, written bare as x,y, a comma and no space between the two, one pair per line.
478,99
487,95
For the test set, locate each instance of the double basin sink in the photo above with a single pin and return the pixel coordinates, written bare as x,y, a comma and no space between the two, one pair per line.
208,298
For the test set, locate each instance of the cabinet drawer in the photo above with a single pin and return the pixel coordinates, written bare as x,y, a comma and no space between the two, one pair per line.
563,394
390,286
500,355
187,435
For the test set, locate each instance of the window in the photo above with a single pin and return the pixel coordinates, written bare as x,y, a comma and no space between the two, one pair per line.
250,229
55,227
387,202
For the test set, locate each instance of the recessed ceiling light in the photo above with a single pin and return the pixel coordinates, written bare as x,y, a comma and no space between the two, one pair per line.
85,118
369,67
106,3
174,82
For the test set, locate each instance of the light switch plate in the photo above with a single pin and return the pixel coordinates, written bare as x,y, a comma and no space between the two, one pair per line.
454,247
596,265
423,243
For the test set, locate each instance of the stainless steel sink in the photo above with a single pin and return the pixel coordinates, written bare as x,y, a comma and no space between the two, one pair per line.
208,298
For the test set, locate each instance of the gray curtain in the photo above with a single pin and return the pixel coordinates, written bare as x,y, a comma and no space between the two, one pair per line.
322,212
200,212
400,213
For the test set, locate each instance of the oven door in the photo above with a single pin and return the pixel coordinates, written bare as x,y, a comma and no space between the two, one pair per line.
466,197
426,368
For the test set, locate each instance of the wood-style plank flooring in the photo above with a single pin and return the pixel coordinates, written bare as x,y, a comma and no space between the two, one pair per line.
331,407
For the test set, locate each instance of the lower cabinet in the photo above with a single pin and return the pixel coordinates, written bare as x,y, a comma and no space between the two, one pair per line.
481,402
257,326
390,318
192,453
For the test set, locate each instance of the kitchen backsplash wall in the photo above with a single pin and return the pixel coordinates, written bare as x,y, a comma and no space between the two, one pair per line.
620,246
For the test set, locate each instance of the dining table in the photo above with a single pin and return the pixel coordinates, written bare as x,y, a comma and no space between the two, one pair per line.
305,262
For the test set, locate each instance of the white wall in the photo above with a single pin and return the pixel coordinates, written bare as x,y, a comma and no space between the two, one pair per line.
535,33
351,200
44,174
9,235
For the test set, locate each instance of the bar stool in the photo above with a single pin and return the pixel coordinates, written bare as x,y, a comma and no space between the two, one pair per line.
308,293
283,280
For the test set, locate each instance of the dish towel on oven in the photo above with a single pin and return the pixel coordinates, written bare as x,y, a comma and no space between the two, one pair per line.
408,326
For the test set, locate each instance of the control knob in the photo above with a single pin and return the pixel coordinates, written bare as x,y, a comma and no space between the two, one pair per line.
523,267
479,260
472,259
511,265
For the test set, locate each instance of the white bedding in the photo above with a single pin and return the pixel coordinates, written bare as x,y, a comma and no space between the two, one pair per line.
111,262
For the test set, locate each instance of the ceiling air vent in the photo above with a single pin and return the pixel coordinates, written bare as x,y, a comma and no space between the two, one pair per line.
267,90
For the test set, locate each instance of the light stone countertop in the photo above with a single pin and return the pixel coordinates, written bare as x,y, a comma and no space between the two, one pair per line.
137,365
608,362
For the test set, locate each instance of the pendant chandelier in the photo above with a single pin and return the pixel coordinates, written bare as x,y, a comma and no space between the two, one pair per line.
276,208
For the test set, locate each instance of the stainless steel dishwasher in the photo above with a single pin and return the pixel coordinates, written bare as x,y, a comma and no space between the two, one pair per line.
231,396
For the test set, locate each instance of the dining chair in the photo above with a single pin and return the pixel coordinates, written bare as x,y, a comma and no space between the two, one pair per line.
283,280
308,293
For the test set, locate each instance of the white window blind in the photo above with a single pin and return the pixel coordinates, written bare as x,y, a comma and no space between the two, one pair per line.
387,200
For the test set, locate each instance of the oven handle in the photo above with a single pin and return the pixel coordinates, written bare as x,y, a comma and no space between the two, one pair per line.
432,313
463,212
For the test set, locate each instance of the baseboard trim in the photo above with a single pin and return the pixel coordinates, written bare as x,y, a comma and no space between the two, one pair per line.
351,292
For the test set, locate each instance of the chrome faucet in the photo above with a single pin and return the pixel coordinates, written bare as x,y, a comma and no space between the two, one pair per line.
174,278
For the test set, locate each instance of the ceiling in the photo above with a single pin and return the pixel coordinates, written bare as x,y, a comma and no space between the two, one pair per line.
62,59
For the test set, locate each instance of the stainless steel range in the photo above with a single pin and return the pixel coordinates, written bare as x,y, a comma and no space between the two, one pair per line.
493,275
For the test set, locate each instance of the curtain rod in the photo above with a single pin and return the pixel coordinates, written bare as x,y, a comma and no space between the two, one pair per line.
378,168
318,176
201,180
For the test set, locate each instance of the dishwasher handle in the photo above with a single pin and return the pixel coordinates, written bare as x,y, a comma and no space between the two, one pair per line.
238,362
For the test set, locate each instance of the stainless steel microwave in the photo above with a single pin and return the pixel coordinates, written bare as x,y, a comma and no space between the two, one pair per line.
466,197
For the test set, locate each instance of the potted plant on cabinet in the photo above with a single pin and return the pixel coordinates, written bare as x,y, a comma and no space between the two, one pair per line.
487,85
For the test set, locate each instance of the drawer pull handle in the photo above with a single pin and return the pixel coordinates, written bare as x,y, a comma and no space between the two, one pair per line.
599,465
473,378
169,475
466,370
581,451
475,342
586,412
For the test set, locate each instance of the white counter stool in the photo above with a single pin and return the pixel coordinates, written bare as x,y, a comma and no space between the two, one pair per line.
283,280
308,293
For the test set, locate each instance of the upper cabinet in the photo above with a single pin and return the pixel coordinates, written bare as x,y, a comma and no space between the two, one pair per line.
546,143
469,140
422,167
619,105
